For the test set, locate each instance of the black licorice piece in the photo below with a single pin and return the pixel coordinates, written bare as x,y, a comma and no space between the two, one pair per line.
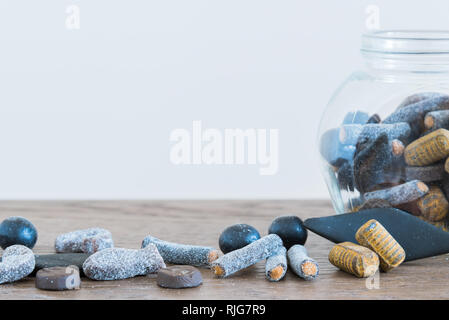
352,133
425,174
345,176
418,238
414,113
237,236
179,277
333,151
17,230
403,193
376,165
417,97
290,229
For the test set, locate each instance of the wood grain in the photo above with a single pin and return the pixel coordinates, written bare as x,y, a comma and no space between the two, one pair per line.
200,222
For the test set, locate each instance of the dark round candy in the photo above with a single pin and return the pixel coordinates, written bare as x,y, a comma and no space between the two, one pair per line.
237,236
290,229
17,230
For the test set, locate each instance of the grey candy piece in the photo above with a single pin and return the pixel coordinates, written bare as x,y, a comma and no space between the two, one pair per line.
430,173
17,263
301,264
276,265
121,263
247,256
87,240
353,133
176,253
178,277
60,260
403,193
58,278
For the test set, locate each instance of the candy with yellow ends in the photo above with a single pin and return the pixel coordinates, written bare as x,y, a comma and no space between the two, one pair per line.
375,237
355,259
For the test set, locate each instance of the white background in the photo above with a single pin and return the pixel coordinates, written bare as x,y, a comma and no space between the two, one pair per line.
87,113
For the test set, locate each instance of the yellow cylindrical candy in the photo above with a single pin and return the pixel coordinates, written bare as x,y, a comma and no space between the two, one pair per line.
355,259
429,149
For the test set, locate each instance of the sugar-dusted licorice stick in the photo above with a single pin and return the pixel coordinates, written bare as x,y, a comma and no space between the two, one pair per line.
433,206
436,120
375,164
417,97
276,265
247,256
414,113
355,259
333,151
301,264
428,149
373,235
351,133
176,253
425,174
399,194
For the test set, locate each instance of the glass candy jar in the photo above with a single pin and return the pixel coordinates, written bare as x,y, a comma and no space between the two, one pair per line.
384,137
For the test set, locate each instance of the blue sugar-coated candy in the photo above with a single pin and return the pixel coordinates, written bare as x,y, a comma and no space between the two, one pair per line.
237,236
17,230
333,151
290,229
359,117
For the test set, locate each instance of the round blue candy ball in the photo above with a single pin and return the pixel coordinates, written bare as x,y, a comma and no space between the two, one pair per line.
290,229
237,236
17,230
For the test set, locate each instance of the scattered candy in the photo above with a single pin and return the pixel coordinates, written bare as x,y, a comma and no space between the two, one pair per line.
247,256
276,265
304,266
120,263
60,260
17,230
375,237
176,253
355,259
58,278
402,193
237,236
177,277
17,263
291,230
88,241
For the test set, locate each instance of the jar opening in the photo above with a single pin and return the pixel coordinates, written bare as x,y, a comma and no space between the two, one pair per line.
407,50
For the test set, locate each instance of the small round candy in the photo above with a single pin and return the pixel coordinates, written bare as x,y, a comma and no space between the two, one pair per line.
290,229
237,236
17,230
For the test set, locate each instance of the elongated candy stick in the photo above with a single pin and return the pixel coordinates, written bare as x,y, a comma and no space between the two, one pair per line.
304,266
176,253
247,256
402,193
276,265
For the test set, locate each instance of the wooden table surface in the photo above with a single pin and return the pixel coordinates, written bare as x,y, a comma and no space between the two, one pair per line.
201,222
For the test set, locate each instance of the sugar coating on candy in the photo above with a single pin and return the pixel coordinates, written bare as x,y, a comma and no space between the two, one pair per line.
301,264
88,241
426,174
17,263
276,265
400,194
120,263
176,253
417,97
373,235
355,259
247,256
352,133
436,120
428,149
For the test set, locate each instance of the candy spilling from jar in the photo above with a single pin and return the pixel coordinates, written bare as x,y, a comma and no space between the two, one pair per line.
400,161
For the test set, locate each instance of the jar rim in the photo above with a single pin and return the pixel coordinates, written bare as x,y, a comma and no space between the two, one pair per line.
406,42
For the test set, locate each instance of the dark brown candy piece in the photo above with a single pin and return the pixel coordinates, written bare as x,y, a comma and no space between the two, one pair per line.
375,164
180,276
58,278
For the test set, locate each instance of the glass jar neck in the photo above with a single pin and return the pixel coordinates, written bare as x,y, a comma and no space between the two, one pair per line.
421,53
